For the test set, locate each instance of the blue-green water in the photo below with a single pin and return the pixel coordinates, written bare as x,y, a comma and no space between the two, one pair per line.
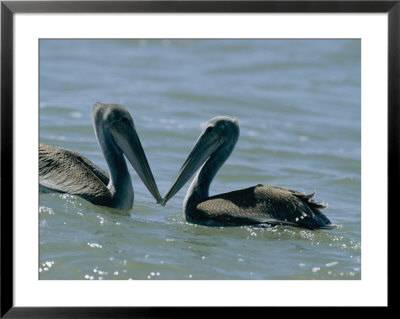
299,110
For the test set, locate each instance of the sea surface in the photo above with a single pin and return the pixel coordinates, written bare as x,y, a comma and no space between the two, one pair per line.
299,109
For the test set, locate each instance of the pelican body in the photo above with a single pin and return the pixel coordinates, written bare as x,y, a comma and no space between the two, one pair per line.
260,204
65,171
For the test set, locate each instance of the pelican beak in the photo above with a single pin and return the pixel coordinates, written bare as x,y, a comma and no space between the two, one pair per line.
202,150
128,141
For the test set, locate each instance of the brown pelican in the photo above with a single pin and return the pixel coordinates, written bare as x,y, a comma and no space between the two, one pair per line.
67,171
260,204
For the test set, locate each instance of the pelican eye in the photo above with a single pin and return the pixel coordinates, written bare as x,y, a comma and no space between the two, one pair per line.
124,119
209,129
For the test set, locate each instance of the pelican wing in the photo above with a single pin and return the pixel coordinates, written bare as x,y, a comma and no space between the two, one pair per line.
66,171
101,174
263,204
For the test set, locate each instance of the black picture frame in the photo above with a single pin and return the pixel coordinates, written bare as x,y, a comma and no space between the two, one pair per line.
9,8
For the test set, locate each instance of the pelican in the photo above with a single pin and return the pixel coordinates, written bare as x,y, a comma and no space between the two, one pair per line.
261,204
66,171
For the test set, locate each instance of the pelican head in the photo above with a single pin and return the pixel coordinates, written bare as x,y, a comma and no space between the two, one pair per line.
220,133
114,124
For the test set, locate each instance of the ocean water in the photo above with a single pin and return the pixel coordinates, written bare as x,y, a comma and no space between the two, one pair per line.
299,109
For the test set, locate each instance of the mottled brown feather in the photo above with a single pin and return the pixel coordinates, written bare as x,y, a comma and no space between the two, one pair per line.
263,203
54,162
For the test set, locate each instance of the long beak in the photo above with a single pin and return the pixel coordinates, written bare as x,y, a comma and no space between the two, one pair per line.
128,141
202,150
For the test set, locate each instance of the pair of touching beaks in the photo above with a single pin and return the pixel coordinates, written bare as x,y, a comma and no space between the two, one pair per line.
210,139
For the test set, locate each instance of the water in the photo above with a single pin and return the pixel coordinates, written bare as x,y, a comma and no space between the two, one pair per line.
298,105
